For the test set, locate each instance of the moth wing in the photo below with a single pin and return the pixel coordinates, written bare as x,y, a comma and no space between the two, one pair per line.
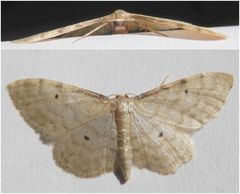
78,122
157,147
163,119
186,104
176,29
90,150
78,29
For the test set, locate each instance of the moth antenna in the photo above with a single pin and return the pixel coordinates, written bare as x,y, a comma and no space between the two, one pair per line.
89,33
163,82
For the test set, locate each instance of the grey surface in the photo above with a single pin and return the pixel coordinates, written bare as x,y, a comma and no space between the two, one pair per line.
27,164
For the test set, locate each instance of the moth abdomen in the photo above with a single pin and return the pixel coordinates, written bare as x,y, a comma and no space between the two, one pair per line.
124,152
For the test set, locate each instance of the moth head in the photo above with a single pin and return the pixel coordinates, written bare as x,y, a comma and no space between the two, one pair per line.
122,96
119,99
119,14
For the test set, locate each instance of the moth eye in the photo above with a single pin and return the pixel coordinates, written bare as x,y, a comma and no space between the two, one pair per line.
186,91
160,134
183,81
56,96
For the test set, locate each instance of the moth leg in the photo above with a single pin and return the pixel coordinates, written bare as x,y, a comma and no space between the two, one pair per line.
91,32
149,29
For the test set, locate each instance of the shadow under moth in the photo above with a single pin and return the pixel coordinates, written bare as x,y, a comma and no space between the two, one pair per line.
122,22
93,134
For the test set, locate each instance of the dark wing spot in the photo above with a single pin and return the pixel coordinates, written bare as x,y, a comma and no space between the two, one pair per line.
56,96
183,81
160,134
78,91
186,91
86,137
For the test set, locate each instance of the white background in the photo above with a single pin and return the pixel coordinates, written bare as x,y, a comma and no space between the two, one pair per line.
27,164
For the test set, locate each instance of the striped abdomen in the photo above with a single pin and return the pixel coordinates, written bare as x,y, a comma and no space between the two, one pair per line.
124,154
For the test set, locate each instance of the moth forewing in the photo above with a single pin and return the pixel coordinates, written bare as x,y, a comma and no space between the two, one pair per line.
187,104
80,28
121,22
164,118
177,29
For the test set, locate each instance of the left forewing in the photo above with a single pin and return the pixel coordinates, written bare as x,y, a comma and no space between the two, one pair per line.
78,122
78,29
52,108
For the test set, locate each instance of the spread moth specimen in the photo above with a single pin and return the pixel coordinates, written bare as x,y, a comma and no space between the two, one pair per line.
120,22
93,134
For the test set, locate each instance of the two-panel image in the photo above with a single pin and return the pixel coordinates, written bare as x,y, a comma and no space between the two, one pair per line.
124,96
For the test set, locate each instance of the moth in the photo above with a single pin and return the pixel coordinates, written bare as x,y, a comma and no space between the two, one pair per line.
93,134
121,22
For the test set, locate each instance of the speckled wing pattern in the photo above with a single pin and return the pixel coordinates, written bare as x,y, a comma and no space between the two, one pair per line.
163,119
131,23
77,122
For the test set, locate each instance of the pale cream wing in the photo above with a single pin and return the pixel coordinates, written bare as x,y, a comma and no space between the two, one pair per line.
163,118
176,29
157,147
79,29
78,122
187,104
89,150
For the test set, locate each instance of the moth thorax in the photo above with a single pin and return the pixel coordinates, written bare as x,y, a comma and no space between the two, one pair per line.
119,27
123,107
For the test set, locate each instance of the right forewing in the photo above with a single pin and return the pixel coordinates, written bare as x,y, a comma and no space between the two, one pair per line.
173,28
186,104
162,119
